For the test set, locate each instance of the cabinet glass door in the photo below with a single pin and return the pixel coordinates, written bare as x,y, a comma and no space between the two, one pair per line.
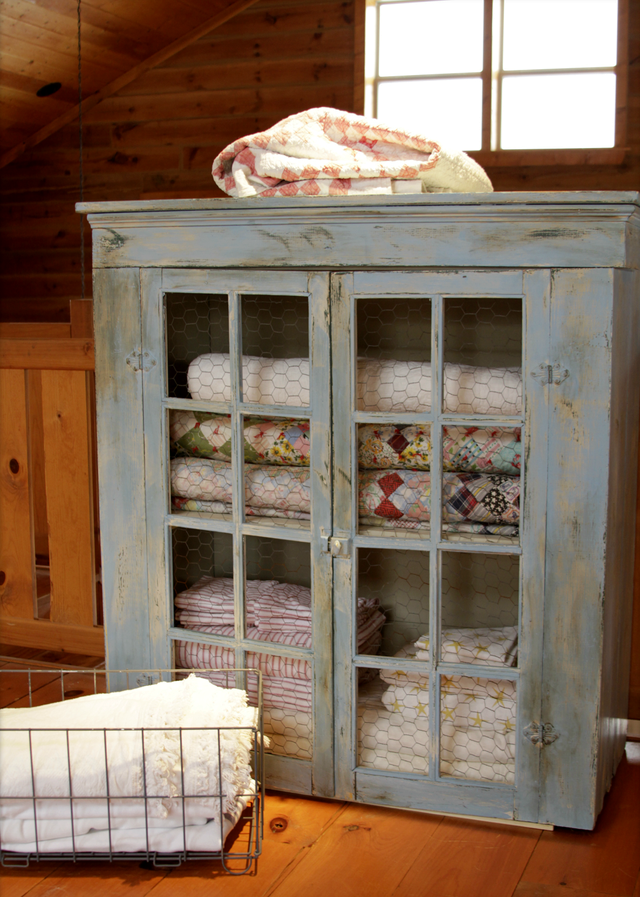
429,506
244,402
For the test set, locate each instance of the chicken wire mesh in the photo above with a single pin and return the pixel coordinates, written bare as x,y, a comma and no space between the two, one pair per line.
477,728
482,356
275,328
195,323
393,354
399,583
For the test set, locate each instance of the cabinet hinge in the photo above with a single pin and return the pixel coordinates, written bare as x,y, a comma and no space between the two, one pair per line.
550,373
540,734
336,546
140,361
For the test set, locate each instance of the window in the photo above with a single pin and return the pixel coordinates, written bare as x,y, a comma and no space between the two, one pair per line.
495,74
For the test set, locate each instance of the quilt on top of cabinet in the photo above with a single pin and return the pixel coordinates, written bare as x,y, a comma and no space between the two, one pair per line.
382,384
276,612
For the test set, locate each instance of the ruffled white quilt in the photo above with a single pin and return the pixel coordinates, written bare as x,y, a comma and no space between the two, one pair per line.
119,782
328,152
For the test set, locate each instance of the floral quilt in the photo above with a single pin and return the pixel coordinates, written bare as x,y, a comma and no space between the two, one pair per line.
469,449
204,435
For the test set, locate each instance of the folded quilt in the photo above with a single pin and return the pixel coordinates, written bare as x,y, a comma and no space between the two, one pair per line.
496,645
328,152
382,384
479,645
464,449
202,506
401,495
283,692
110,833
203,435
265,487
94,747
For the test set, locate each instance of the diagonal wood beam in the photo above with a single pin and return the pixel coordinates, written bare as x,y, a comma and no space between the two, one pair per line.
114,86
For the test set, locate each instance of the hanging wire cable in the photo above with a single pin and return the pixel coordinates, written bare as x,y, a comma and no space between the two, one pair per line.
81,152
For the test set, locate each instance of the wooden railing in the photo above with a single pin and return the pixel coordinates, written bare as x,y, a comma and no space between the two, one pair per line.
48,522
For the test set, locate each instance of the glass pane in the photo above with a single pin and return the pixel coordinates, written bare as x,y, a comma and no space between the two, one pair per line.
483,356
394,354
275,349
413,37
201,463
277,453
447,110
393,720
394,477
393,600
203,581
197,327
278,590
481,483
547,34
558,111
479,609
478,723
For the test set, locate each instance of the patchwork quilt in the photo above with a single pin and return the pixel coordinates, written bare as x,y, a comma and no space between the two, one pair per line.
202,435
468,449
328,152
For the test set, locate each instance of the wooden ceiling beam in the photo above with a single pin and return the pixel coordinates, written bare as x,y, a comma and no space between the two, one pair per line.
118,83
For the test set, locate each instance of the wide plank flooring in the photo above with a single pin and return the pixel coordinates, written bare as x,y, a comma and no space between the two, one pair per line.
315,848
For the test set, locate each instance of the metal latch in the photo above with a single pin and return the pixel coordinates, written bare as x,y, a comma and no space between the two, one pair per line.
550,373
336,546
540,734
140,361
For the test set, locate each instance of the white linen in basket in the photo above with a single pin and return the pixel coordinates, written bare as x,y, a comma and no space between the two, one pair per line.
193,704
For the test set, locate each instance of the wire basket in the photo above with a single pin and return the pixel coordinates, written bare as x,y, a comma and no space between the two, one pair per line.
162,791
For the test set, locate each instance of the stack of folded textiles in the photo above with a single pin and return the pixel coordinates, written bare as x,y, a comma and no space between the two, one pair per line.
481,478
275,612
481,488
478,715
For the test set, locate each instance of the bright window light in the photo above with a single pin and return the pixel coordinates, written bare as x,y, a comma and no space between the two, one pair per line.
415,37
551,83
558,111
559,34
447,110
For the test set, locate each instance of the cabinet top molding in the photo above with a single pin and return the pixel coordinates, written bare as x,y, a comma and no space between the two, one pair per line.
423,230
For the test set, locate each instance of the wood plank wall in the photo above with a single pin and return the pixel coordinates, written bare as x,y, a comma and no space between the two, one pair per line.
158,136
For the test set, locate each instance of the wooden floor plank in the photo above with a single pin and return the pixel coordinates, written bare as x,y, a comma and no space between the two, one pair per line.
14,686
72,685
83,879
605,861
292,828
18,882
470,859
527,889
366,851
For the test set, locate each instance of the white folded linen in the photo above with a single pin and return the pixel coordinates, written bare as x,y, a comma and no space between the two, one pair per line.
144,748
382,384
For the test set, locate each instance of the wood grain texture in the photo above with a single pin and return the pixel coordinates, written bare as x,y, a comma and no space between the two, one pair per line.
284,849
36,448
62,637
17,554
606,861
69,487
465,859
361,850
47,354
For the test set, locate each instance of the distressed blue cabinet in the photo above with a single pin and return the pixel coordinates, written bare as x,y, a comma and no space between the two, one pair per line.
385,450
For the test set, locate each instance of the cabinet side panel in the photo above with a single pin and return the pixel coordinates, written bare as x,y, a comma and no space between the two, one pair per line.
581,312
620,528
121,468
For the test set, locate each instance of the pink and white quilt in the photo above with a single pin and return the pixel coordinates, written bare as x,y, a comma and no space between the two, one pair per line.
328,152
